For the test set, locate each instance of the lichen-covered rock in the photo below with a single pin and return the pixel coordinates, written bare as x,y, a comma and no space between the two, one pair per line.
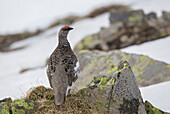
118,94
16,106
127,27
98,63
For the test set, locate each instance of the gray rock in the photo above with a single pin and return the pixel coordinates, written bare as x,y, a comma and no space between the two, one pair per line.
127,27
117,94
98,63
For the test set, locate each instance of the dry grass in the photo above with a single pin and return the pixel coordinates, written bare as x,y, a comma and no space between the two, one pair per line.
75,104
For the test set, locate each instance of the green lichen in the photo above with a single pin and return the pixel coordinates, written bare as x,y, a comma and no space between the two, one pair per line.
112,70
83,51
101,58
142,58
17,111
80,45
4,111
103,82
133,19
168,66
90,65
5,106
112,80
125,66
26,105
87,41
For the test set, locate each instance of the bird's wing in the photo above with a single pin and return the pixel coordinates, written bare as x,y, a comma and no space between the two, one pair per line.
71,67
53,63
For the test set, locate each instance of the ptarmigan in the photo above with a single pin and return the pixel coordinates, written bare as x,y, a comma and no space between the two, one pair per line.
63,67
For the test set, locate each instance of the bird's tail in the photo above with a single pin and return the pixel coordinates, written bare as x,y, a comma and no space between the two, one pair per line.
59,97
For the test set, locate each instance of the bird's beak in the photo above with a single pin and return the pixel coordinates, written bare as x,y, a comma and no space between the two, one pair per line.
70,28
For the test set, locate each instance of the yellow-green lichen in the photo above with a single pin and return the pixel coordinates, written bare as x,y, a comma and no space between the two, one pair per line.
4,111
103,82
80,45
112,70
17,111
101,58
26,105
90,65
88,40
83,51
142,58
133,19
5,106
125,66
168,66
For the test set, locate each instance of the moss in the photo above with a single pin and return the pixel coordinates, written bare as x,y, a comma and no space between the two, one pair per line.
26,105
84,90
99,103
83,51
142,58
168,66
88,40
17,111
5,106
4,111
133,19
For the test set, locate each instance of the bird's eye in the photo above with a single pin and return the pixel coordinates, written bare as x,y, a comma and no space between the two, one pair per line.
65,28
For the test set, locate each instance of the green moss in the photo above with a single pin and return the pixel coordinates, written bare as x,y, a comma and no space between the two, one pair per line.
168,66
142,58
4,111
84,90
17,111
133,19
83,51
26,105
88,40
5,106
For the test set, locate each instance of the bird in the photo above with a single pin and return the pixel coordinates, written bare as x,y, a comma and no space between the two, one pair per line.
62,67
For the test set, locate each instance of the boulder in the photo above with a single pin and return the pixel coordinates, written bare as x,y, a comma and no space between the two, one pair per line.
127,27
99,63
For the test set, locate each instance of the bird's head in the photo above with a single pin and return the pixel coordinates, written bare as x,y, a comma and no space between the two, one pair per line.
64,31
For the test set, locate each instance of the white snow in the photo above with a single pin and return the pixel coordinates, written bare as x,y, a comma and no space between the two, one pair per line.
158,95
158,49
20,15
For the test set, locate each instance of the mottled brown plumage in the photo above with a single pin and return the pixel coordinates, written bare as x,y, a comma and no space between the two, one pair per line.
63,67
